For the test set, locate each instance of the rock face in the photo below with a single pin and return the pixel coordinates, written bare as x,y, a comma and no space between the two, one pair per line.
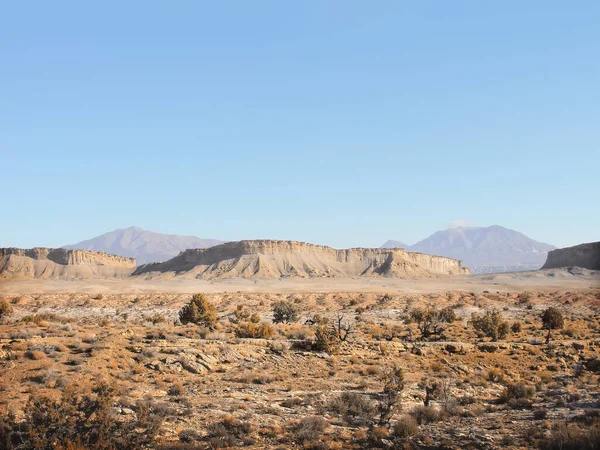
583,255
58,263
276,259
144,246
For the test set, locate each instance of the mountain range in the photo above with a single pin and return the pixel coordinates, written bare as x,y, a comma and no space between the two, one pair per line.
484,249
144,246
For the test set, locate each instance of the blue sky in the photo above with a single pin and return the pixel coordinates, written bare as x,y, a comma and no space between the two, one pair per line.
341,123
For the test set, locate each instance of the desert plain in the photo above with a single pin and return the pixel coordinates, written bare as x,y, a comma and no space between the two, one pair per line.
253,380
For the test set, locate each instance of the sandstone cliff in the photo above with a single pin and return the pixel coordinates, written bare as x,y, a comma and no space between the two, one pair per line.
275,259
584,255
58,263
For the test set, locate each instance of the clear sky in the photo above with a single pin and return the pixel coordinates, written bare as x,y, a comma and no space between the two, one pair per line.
335,122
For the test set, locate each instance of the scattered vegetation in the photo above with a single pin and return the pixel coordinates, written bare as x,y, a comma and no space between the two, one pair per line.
81,419
573,436
217,384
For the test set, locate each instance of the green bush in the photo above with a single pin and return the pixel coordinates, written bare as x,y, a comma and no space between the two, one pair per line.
285,312
552,319
199,311
430,321
491,324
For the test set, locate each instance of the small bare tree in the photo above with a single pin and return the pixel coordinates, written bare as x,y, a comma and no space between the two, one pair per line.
393,384
430,321
432,389
343,328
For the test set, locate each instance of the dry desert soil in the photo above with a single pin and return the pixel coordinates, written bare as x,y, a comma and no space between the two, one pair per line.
250,382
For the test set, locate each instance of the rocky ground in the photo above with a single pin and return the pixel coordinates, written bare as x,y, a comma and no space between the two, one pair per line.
218,390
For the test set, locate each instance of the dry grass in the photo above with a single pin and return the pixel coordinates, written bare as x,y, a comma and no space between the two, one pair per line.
225,388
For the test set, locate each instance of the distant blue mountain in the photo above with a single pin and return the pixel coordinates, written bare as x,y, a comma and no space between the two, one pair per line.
485,249
144,246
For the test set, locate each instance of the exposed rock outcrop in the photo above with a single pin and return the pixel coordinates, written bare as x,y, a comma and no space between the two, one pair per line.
58,263
583,255
275,259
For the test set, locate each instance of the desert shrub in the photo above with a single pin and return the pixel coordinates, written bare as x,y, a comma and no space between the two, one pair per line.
571,332
262,378
491,324
310,430
393,384
552,319
296,332
377,434
285,312
240,314
495,375
176,389
406,426
89,338
540,414
430,321
199,311
279,348
516,327
426,414
353,406
326,339
5,309
565,436
254,331
156,319
518,394
37,319
189,436
35,355
228,432
255,318
82,419
432,387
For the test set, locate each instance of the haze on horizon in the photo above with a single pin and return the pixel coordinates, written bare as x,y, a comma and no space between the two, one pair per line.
339,123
